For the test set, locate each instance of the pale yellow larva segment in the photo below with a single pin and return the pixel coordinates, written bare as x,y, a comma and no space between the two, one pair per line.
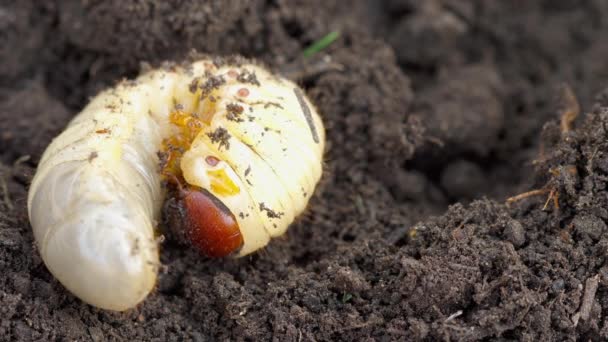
282,156
279,119
276,89
319,145
79,142
276,121
269,196
280,97
94,199
75,133
94,243
131,140
98,116
158,87
165,90
140,165
303,111
265,94
287,93
241,205
103,102
185,96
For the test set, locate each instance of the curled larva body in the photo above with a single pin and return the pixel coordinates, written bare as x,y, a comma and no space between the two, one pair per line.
245,150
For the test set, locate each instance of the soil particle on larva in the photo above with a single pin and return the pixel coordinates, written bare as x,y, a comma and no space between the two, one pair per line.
248,77
211,83
221,137
234,112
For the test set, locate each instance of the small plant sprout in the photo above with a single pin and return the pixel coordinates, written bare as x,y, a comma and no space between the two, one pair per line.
321,44
235,150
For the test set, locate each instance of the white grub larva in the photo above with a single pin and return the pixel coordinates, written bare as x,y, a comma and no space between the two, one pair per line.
240,153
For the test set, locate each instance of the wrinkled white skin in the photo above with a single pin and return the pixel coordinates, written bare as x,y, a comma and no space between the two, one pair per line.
96,197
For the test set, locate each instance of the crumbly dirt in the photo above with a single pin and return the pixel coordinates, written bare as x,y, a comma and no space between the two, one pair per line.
436,112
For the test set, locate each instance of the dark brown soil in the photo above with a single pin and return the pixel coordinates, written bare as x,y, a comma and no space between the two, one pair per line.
443,109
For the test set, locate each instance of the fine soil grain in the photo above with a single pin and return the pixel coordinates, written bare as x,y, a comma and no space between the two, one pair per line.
436,112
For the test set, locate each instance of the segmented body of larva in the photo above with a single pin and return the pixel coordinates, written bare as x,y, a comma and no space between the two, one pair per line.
239,148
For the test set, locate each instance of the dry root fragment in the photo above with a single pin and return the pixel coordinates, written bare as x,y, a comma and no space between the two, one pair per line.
569,112
553,195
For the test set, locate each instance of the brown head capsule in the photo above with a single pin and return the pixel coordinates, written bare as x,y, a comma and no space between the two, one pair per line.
205,222
210,226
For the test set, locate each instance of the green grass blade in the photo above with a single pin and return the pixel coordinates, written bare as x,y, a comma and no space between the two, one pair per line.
321,44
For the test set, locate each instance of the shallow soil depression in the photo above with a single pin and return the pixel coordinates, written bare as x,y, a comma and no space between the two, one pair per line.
436,112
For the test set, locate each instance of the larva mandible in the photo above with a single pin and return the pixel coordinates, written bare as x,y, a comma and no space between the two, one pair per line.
240,149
